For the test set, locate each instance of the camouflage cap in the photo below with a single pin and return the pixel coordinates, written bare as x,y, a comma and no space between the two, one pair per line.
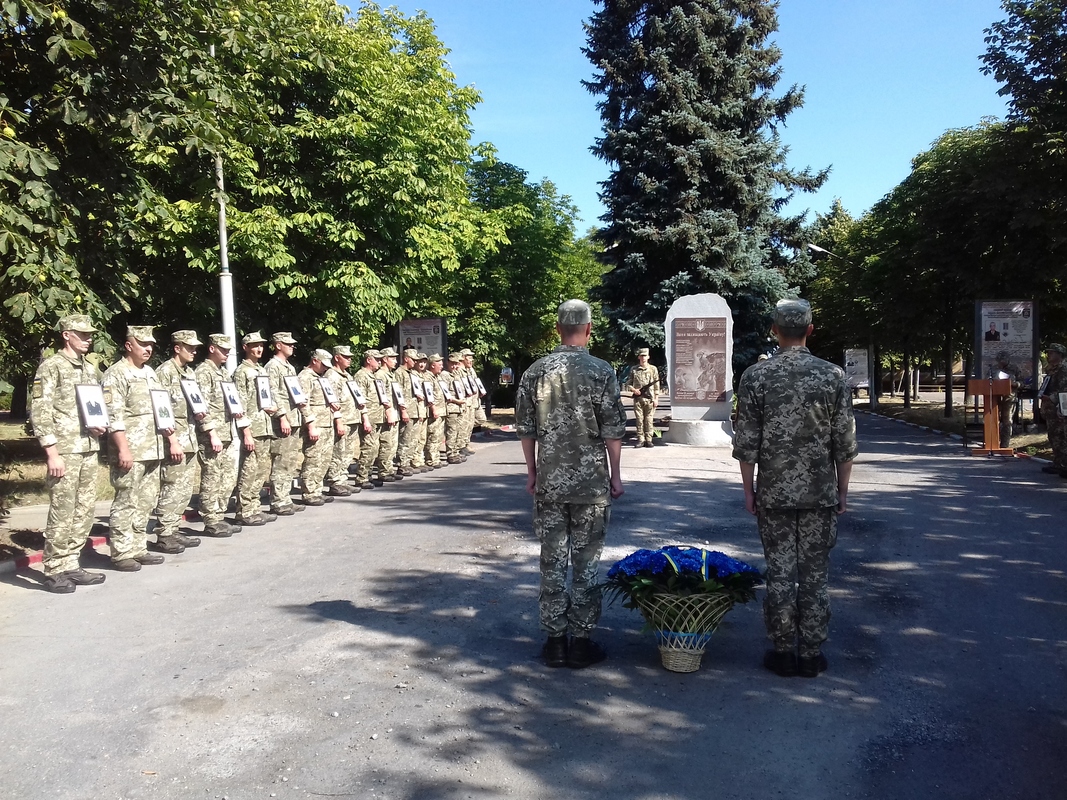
420,356
142,333
342,350
411,352
457,357
794,313
466,351
75,322
435,357
388,352
642,351
185,337
322,355
253,338
221,341
574,312
283,336
372,353
1056,348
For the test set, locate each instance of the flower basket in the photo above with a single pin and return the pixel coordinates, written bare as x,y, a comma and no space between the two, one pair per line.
683,593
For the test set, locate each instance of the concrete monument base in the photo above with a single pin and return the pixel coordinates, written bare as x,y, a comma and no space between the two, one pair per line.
700,432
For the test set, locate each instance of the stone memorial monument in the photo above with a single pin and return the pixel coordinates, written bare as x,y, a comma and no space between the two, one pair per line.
699,336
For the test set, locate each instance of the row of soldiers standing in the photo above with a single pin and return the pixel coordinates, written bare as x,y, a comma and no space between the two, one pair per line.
390,420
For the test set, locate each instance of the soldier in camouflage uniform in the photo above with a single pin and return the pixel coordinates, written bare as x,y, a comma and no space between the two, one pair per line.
256,436
285,447
794,420
316,437
476,409
408,428
571,422
374,418
71,450
456,398
346,425
437,410
217,445
176,472
1055,421
1006,403
136,449
418,445
394,416
643,383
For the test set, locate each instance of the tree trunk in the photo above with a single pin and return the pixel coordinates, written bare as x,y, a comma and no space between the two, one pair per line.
949,361
19,409
906,367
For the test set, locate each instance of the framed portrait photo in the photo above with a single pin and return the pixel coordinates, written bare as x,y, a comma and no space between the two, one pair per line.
427,389
416,387
264,396
194,397
296,391
162,409
398,395
231,398
328,393
383,395
91,404
357,393
481,387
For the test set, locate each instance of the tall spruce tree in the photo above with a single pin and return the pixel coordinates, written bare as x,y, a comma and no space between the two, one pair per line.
699,175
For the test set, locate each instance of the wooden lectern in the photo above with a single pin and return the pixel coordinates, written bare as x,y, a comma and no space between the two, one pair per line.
991,390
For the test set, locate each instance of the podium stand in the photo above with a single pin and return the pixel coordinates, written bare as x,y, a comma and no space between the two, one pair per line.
990,390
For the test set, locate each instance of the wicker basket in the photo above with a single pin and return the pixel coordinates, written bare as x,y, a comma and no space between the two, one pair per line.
683,626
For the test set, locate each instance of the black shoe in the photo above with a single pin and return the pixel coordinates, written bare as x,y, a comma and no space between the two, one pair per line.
649,443
80,577
59,584
811,667
584,652
555,651
406,472
268,516
388,479
366,485
219,530
169,544
783,664
339,490
639,443
126,565
298,508
326,498
286,511
356,489
149,559
252,521
187,541
314,500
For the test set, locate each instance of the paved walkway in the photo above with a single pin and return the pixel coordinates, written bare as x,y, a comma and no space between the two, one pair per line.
386,645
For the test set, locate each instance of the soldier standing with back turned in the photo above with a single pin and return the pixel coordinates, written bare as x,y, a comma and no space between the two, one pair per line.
794,419
72,452
643,384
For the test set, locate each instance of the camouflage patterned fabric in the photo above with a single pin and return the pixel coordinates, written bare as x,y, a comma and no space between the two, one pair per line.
284,450
218,471
647,378
1056,423
136,493
56,421
797,546
318,453
176,480
794,421
577,530
435,422
388,437
254,467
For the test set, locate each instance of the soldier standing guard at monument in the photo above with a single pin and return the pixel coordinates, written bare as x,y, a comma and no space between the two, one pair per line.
346,426
794,420
285,449
643,384
217,445
136,450
256,437
571,422
316,437
1051,410
176,473
71,450
373,420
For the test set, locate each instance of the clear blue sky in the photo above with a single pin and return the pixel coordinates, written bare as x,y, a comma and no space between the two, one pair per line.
883,78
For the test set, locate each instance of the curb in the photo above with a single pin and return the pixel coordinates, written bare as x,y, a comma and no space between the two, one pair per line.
22,562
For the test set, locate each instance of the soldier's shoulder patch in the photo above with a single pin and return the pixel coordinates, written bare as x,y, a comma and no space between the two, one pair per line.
107,395
38,389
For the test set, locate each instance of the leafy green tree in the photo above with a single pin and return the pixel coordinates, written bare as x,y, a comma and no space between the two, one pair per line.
698,175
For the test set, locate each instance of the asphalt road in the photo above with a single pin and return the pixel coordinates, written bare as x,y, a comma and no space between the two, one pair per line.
385,646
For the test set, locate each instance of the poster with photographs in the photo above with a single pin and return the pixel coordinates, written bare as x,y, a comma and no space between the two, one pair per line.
91,404
425,335
264,395
328,393
357,393
296,391
233,400
162,410
398,395
699,356
1005,327
194,397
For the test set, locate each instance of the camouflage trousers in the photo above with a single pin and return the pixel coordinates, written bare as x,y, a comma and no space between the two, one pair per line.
479,413
317,457
369,445
574,532
644,411
253,473
435,436
1057,438
797,544
136,493
345,451
284,461
70,512
468,424
389,439
453,429
218,477
1005,407
416,456
406,441
175,492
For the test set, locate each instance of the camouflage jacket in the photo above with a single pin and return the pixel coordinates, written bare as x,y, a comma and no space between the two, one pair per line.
339,379
218,418
416,407
245,377
436,409
453,381
317,410
385,375
794,421
170,376
278,371
129,406
54,407
367,381
569,402
640,377
1057,382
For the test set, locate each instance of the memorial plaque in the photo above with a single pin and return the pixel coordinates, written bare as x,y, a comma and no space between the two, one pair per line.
699,360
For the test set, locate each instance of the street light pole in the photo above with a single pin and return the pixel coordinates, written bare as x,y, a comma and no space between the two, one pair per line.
225,276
